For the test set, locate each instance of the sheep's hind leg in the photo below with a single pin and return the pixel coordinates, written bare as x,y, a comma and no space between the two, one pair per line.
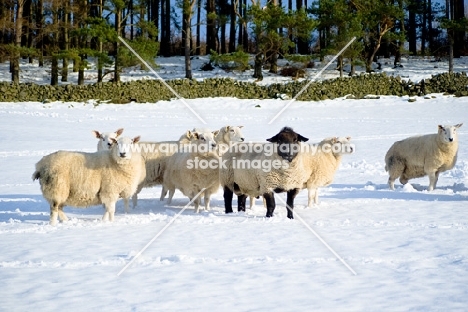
312,197
126,205
163,193
110,211
207,201
171,194
62,216
196,202
135,196
270,204
54,208
252,201
396,167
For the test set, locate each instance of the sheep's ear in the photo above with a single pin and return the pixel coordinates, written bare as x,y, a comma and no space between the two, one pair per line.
273,139
441,127
215,133
458,125
302,138
96,134
112,140
240,127
348,138
227,128
189,134
136,139
196,136
334,140
119,131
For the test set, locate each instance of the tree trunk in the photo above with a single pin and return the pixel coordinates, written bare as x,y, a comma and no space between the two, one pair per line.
210,26
424,28
459,35
429,26
340,65
245,35
66,44
232,28
412,29
54,74
240,37
39,25
450,32
188,63
352,72
185,25
118,16
100,65
18,30
198,42
168,27
258,66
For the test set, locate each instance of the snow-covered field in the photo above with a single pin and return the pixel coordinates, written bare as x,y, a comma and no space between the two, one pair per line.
408,246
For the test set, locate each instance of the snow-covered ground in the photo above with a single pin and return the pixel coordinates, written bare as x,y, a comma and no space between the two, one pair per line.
407,246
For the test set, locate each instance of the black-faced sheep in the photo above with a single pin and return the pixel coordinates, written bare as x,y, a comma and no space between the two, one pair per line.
81,179
264,170
423,155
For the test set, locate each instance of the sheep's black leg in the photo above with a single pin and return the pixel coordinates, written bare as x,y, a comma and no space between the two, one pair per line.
241,202
227,200
291,194
270,203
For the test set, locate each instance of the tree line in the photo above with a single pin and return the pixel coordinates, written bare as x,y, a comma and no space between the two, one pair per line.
57,33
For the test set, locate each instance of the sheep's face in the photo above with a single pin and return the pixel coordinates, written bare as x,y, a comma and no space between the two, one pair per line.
106,139
341,146
288,143
205,142
235,133
448,134
123,148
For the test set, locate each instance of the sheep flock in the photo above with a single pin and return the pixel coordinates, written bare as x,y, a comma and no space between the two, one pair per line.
201,161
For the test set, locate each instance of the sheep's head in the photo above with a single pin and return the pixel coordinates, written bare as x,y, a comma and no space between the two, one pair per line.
205,142
105,141
448,134
187,137
338,145
123,148
288,143
234,133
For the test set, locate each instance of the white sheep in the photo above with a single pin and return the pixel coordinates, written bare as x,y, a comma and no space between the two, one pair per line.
81,179
423,155
228,134
193,170
155,155
263,170
322,161
105,138
224,137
